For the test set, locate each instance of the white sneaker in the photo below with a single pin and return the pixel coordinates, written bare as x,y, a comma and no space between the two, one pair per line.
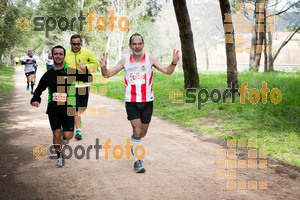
60,162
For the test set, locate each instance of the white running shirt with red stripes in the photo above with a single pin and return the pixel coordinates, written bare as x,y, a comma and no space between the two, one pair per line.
138,80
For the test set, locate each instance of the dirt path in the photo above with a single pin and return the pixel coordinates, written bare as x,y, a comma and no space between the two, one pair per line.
179,163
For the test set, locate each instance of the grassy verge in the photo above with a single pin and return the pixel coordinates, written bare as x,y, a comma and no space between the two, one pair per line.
6,81
275,126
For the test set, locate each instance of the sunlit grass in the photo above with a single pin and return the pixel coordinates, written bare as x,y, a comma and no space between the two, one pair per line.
6,81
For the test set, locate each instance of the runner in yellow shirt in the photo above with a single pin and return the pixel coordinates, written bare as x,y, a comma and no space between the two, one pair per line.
79,56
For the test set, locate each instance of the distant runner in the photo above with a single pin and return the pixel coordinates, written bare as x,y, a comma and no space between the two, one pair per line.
17,60
49,61
29,61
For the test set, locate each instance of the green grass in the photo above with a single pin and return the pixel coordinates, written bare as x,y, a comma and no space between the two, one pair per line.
6,82
275,126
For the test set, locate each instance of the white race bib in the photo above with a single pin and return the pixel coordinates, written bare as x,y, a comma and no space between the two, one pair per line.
62,97
137,79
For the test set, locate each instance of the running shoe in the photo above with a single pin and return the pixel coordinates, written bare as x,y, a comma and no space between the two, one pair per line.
31,92
138,167
27,88
78,135
60,162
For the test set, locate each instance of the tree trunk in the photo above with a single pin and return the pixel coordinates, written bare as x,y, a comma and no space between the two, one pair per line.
265,41
232,79
206,58
0,59
8,59
206,48
260,42
270,38
189,61
258,49
253,48
253,42
270,57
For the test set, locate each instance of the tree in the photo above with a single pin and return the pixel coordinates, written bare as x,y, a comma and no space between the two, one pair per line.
257,39
189,61
232,79
9,34
264,37
295,29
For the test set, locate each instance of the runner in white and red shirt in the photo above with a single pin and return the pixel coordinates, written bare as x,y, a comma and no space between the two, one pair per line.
138,67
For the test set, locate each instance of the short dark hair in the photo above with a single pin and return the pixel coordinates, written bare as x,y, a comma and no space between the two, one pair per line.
74,37
136,34
58,47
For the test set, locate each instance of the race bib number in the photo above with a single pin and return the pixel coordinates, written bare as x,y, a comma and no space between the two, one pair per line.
62,97
137,79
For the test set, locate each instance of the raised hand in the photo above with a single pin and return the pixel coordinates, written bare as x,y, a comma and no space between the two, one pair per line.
176,56
103,61
81,65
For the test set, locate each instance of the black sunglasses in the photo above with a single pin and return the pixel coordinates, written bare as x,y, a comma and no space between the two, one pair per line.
76,44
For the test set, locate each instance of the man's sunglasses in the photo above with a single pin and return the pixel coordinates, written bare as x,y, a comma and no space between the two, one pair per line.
76,44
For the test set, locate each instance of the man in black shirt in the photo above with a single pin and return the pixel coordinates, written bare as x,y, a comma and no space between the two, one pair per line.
60,81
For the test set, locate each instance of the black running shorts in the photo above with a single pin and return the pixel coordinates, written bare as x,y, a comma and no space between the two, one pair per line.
82,98
28,73
139,110
64,121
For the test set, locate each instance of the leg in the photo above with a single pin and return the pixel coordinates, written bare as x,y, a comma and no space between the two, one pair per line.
35,75
77,120
32,83
31,77
139,116
68,127
67,123
68,135
146,117
144,129
137,127
57,142
28,80
81,105
55,123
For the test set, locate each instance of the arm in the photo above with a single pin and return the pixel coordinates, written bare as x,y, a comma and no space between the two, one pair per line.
36,99
24,61
166,70
113,71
